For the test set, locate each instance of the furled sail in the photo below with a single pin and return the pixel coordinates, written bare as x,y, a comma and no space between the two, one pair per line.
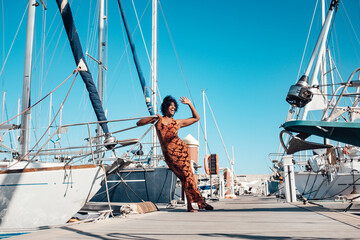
76,48
138,68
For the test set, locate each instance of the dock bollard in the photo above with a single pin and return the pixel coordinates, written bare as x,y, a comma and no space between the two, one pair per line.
289,178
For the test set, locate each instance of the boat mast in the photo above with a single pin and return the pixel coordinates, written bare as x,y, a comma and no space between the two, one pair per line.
25,117
299,94
3,107
320,63
205,135
233,176
154,77
101,46
205,138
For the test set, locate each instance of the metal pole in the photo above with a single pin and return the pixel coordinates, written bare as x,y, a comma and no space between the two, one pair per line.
205,137
232,192
25,118
3,108
17,123
101,45
320,60
323,35
289,178
154,40
49,132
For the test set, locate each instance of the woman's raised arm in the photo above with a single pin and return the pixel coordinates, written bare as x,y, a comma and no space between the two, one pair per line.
195,116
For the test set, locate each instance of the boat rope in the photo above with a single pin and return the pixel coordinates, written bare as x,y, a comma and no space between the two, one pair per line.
107,190
125,52
146,186
144,87
162,188
313,184
42,57
307,180
350,185
54,52
125,184
91,28
176,53
217,127
141,33
3,33
307,40
61,106
157,185
12,43
110,188
354,32
40,99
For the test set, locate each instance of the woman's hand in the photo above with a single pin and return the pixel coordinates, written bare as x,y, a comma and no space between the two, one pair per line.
185,100
148,120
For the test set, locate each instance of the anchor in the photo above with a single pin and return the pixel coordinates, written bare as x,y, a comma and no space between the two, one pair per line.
298,143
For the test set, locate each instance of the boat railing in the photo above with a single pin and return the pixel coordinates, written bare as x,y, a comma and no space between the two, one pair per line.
336,110
75,143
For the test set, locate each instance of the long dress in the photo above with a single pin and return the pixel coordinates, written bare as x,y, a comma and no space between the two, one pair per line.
178,159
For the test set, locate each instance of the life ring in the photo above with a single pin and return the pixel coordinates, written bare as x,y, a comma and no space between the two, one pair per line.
206,164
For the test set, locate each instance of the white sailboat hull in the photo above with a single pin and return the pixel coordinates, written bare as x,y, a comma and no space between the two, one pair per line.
343,184
310,185
47,195
316,186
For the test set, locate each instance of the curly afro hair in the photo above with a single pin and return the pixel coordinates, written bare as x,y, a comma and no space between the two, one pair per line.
166,104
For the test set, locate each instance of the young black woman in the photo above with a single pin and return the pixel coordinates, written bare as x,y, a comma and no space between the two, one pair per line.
175,151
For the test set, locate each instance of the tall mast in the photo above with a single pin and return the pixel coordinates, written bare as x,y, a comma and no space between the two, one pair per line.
25,117
154,74
205,135
101,46
320,61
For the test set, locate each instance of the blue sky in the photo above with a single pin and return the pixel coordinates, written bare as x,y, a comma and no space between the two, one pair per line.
245,54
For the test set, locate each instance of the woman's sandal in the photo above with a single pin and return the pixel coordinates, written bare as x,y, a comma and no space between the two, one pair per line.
209,207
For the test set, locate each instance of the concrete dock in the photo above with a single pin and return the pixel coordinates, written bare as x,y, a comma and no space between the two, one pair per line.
246,217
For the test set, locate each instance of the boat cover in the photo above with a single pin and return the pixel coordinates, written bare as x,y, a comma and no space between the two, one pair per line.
346,132
76,48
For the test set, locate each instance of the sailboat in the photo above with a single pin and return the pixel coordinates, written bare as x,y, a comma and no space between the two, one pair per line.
331,171
45,186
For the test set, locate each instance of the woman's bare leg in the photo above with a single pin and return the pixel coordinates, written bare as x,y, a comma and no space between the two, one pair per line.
188,199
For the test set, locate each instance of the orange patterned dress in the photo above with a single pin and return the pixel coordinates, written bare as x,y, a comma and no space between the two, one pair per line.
178,159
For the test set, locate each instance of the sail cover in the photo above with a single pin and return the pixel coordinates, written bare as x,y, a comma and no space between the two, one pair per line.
138,68
76,48
346,132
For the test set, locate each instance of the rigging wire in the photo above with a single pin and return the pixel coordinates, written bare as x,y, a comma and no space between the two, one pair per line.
217,127
12,43
88,27
352,27
307,39
142,36
125,52
176,53
37,101
61,106
180,65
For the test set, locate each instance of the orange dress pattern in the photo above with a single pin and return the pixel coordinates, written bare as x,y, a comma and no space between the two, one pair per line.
178,159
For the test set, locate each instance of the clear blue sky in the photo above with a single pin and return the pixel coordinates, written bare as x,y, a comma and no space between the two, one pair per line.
245,54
